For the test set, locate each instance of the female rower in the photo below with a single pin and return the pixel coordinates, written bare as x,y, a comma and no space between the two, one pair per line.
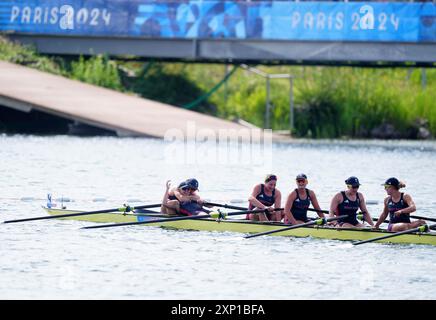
347,203
265,196
183,199
399,206
299,201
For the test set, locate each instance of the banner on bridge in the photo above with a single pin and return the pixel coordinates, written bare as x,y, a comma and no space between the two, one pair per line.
306,21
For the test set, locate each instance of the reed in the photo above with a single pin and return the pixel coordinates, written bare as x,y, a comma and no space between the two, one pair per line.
98,70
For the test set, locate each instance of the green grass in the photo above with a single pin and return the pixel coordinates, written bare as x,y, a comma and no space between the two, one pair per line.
330,102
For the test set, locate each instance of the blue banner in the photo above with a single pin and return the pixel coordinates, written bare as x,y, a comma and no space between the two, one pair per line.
273,20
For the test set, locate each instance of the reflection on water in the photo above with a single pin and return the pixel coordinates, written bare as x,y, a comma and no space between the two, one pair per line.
54,259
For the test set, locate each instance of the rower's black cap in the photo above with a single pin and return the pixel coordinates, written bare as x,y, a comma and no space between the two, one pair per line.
352,181
392,182
192,183
301,176
182,185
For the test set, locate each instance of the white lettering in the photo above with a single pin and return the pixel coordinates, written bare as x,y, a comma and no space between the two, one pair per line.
308,21
65,15
395,21
37,15
367,21
25,15
54,15
181,310
330,22
94,17
320,23
67,21
15,13
355,18
82,16
339,21
382,18
106,16
46,14
296,18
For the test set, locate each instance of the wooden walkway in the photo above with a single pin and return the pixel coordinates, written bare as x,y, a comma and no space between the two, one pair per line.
24,89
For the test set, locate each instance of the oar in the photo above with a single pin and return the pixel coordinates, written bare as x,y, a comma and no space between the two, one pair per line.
414,217
242,208
123,209
318,222
423,228
323,211
225,206
215,215
360,217
424,218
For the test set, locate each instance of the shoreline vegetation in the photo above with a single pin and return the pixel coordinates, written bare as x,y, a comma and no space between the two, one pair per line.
330,102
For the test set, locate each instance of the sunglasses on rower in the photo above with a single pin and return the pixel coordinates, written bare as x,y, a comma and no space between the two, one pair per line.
352,187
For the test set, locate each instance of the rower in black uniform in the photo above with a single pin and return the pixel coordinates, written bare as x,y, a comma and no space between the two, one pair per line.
265,196
348,202
299,201
398,205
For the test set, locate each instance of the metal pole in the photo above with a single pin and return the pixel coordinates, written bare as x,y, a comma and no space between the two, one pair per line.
423,78
291,104
267,106
226,71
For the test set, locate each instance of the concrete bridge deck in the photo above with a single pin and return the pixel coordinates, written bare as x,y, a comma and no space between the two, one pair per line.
27,89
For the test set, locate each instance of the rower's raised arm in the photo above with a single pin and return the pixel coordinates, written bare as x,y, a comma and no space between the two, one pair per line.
383,215
367,217
278,199
252,199
411,204
288,205
334,205
316,204
181,197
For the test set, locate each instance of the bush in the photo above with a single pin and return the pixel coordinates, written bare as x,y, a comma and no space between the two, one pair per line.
98,70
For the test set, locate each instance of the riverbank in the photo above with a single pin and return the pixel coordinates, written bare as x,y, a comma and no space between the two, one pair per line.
330,102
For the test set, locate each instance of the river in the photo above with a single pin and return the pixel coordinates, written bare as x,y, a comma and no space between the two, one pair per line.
54,259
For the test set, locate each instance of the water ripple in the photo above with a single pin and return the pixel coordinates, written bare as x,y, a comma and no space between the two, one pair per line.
53,259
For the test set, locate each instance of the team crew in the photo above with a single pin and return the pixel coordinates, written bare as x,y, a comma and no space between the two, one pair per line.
299,201
266,196
398,205
348,203
185,200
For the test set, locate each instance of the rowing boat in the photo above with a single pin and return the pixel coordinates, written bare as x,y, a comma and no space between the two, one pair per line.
245,226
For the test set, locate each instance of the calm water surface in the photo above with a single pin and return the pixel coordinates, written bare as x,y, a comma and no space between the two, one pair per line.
55,260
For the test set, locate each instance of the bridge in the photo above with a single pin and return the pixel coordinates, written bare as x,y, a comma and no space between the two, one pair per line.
276,32
284,32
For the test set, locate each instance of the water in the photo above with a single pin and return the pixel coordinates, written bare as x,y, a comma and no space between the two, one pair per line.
53,259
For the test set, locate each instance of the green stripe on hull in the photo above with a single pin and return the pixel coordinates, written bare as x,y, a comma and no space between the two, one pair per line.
101,218
255,227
